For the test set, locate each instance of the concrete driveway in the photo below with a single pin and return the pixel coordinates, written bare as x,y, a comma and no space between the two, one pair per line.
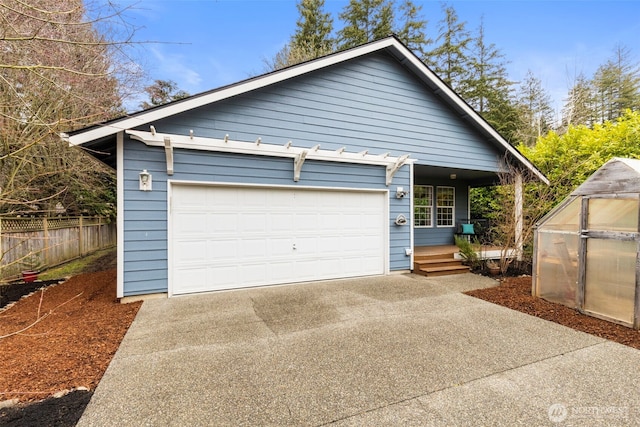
398,350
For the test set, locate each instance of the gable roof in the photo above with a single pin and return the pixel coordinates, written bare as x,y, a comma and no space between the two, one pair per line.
617,176
390,45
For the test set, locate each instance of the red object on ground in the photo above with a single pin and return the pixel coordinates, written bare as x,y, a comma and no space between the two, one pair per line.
29,276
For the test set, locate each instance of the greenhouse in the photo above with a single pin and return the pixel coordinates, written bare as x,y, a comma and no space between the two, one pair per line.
586,249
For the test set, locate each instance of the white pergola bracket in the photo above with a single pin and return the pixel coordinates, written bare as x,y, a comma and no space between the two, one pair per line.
168,151
298,161
392,168
260,148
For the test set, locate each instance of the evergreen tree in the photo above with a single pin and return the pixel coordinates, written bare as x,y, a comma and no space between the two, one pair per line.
488,75
449,58
488,88
411,28
162,92
579,106
311,40
313,29
365,21
534,110
617,86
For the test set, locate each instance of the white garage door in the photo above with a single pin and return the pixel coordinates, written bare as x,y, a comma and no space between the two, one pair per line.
234,237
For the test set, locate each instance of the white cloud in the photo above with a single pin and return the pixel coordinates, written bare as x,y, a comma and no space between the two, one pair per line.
174,66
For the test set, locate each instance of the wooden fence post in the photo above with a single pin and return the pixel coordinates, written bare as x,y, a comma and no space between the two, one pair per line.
99,232
1,253
80,236
45,229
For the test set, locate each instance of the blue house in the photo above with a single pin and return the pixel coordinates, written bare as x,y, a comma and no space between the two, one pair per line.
334,168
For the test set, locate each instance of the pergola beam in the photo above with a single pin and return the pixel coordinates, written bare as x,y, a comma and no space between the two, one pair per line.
258,147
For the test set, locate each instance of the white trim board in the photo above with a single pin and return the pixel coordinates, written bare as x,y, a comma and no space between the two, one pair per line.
120,214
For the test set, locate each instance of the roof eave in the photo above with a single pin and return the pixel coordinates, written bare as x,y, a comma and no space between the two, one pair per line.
227,92
390,44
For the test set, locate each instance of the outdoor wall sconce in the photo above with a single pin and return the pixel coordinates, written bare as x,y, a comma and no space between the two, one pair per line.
145,181
400,192
401,220
453,176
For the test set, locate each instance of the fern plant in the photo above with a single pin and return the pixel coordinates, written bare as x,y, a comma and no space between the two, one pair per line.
469,251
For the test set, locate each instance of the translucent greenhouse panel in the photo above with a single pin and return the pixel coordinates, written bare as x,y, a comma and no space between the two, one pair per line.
557,267
567,218
613,214
611,278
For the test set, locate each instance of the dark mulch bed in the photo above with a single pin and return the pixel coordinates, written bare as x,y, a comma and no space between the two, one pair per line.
60,412
14,291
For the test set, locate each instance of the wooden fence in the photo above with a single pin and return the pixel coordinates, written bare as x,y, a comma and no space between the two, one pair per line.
37,243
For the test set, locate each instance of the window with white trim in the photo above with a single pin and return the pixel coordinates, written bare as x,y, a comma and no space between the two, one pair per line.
445,206
422,205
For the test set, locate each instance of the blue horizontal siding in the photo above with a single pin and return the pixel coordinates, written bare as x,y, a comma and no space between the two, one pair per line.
399,236
369,103
145,226
148,255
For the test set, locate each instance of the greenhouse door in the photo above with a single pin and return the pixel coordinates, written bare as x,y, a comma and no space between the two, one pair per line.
610,250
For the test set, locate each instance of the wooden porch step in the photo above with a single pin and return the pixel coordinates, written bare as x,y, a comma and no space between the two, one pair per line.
430,257
442,271
436,262
439,266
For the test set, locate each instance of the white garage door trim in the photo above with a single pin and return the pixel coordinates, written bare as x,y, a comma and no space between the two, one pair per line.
374,258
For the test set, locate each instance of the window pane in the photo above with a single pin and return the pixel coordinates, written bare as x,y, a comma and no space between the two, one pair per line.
423,205
613,214
445,201
568,218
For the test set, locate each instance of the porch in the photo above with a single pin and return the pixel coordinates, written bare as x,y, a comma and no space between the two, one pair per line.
441,260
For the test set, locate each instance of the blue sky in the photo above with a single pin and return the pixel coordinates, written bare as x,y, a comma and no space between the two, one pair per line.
210,43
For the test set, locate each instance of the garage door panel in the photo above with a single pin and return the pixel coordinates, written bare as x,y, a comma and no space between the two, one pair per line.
305,221
187,251
190,223
253,222
369,221
327,221
253,274
280,271
230,237
280,247
222,223
252,198
280,222
223,250
253,248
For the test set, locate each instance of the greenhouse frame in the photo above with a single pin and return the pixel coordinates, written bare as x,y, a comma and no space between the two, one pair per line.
586,249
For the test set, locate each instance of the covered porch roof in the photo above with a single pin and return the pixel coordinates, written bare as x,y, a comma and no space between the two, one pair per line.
475,178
